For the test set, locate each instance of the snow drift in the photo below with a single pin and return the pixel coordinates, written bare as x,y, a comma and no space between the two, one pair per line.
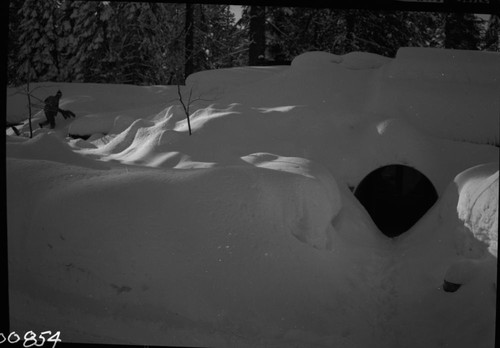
247,233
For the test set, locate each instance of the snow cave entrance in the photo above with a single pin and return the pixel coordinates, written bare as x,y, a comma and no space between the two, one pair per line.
396,197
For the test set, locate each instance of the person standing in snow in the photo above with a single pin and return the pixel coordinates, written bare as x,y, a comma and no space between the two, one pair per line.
51,109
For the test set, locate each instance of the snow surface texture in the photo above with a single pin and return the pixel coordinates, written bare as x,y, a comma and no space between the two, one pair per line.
246,233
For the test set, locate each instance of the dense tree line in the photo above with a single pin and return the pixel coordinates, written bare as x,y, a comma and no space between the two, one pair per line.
291,31
162,43
117,42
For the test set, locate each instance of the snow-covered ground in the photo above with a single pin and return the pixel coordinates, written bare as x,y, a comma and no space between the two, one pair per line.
246,232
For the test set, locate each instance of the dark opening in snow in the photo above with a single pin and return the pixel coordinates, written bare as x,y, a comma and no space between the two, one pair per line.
77,136
396,197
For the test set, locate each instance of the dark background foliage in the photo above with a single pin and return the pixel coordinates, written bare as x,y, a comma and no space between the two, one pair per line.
147,43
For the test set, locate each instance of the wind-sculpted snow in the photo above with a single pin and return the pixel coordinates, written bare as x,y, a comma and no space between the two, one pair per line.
477,206
247,232
466,215
221,135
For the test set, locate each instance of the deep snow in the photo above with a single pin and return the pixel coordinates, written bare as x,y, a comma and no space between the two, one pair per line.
246,233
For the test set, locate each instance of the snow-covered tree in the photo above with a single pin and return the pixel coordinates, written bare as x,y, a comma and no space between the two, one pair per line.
119,42
492,34
292,31
189,40
257,34
13,44
462,31
212,38
152,43
87,27
143,47
219,42
38,40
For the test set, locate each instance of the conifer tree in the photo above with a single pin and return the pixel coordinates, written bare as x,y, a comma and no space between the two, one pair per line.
492,34
257,35
13,44
189,40
147,29
462,31
88,27
38,35
292,31
219,42
119,42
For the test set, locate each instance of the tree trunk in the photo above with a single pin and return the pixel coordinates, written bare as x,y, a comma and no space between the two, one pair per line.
29,97
461,32
189,43
256,52
492,35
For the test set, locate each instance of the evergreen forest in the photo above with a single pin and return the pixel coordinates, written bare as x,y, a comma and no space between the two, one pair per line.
156,43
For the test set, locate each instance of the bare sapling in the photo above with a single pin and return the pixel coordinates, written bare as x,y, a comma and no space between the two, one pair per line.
187,104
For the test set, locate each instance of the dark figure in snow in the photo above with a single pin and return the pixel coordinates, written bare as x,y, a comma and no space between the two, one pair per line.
51,109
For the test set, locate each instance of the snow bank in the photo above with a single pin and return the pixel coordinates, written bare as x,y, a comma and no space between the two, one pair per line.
318,200
478,203
201,245
451,94
247,233
85,99
398,141
223,135
47,146
465,216
215,83
440,247
446,65
352,60
465,270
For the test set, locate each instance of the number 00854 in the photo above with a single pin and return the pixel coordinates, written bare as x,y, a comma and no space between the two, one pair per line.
31,339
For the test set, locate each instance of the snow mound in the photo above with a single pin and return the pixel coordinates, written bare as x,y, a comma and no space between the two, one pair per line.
210,223
49,147
247,232
91,124
116,121
88,98
363,60
446,65
214,83
317,195
351,61
398,141
464,271
478,203
467,213
315,60
465,216
444,77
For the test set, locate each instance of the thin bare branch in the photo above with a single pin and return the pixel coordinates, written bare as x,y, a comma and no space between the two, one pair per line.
28,92
186,108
